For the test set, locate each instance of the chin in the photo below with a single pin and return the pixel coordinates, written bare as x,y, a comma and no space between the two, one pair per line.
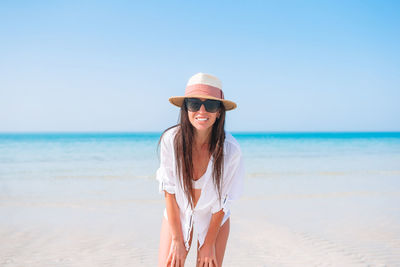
202,127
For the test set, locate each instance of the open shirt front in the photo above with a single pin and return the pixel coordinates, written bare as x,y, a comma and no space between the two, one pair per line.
208,202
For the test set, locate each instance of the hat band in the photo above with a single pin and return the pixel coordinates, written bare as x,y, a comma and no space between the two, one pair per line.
204,89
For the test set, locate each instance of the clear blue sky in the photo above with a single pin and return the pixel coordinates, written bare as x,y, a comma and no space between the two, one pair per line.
111,66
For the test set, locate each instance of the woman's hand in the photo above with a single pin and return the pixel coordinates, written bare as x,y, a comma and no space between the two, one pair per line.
177,254
206,257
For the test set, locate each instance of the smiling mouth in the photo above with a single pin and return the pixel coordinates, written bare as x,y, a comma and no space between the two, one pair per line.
202,119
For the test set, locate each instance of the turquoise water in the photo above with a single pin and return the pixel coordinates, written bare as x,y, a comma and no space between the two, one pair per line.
102,167
134,155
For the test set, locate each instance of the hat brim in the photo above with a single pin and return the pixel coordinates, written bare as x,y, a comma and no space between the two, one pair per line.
178,101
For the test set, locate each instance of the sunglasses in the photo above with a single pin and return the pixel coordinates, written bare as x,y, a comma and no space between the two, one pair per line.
194,104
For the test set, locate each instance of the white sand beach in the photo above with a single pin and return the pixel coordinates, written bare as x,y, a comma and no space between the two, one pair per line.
110,228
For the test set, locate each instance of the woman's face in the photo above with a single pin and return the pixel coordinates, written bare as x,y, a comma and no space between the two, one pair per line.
201,119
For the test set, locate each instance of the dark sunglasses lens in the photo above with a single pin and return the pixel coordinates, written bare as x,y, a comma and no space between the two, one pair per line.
193,104
212,105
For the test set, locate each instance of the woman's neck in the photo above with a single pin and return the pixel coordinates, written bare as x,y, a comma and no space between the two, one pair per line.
202,139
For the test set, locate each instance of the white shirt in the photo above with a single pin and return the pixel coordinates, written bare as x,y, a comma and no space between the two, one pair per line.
208,202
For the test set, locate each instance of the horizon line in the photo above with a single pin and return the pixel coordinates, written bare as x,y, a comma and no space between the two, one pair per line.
157,132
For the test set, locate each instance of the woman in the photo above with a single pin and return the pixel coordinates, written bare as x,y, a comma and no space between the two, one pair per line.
201,173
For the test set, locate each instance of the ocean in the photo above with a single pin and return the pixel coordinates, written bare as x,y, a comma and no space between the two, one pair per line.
29,159
310,199
135,155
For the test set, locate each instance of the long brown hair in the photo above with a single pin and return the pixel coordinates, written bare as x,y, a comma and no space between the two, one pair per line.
183,141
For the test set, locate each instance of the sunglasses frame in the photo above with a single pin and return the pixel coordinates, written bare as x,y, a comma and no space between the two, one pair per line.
205,103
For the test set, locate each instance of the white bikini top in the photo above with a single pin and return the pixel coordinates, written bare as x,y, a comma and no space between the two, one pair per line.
198,184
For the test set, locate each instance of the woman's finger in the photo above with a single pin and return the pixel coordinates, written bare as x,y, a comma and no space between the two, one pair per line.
173,264
176,261
215,262
169,259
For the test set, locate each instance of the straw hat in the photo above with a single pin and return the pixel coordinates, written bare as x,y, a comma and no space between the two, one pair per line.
203,85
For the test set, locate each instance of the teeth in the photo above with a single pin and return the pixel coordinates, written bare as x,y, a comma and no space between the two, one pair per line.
201,119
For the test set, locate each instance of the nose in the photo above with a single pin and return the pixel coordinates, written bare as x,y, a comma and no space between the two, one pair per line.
202,108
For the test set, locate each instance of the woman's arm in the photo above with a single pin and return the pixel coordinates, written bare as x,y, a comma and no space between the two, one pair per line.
207,251
177,253
213,229
173,217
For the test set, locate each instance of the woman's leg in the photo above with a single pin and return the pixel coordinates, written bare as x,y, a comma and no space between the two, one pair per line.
165,243
222,239
220,242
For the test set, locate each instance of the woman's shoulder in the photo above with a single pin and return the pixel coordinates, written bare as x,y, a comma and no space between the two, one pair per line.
231,146
167,138
169,134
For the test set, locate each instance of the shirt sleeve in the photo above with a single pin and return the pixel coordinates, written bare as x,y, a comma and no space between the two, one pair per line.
232,186
165,174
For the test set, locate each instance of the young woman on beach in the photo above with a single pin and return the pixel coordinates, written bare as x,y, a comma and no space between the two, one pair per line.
201,173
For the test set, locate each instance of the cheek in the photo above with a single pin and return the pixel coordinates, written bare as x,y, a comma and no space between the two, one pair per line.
191,116
213,118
